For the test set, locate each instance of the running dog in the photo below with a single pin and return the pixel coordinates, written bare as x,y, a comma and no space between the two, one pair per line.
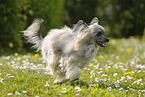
66,51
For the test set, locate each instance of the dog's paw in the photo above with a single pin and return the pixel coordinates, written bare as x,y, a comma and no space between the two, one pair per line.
61,80
75,80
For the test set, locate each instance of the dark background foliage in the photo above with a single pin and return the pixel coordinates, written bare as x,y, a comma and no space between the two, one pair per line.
120,18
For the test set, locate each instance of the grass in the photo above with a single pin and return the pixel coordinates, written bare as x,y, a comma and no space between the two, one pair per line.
117,71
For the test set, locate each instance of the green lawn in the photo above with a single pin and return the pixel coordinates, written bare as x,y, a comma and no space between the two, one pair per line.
117,71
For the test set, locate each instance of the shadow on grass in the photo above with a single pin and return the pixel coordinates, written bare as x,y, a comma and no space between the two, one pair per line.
80,83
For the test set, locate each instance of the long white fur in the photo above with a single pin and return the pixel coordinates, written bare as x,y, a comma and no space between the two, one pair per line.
66,51
32,33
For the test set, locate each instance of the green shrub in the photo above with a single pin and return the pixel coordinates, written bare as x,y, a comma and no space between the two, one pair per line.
16,15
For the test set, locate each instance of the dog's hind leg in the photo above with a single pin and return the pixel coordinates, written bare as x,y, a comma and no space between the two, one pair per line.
73,72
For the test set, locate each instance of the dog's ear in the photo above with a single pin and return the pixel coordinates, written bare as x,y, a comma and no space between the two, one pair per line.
80,25
95,20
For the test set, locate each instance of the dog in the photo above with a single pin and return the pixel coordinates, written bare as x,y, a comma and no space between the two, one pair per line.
66,51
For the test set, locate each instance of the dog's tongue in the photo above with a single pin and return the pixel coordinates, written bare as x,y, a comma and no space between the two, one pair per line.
102,43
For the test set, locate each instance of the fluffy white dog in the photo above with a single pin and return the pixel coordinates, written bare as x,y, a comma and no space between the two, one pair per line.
66,51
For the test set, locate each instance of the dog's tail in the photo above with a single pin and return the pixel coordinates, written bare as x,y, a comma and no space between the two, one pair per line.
32,33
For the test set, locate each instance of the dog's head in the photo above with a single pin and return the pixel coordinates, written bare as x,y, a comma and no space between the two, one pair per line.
98,33
93,32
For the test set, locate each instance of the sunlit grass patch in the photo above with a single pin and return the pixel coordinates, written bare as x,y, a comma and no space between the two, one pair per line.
117,70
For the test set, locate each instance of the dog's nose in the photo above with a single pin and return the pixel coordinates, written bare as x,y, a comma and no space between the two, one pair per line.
107,39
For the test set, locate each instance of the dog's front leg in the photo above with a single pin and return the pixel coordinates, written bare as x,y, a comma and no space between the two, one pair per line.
73,72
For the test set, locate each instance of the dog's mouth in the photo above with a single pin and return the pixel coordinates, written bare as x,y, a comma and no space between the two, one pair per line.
101,44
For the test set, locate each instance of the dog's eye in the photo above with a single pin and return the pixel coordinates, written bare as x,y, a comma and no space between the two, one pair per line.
99,33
